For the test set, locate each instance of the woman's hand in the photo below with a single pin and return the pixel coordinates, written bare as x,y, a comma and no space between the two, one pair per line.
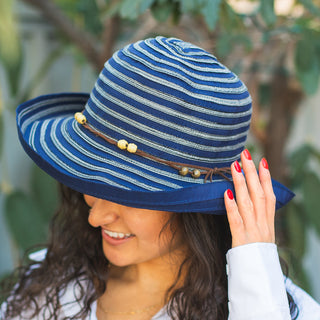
251,215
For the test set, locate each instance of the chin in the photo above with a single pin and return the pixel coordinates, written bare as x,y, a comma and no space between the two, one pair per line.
118,260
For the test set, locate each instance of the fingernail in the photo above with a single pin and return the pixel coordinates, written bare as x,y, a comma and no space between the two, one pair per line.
264,163
230,194
237,166
247,154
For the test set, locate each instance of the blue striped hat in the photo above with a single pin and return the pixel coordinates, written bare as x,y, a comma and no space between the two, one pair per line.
163,121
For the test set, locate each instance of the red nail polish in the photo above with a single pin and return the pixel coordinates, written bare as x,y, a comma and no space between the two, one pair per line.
247,154
237,166
230,194
264,163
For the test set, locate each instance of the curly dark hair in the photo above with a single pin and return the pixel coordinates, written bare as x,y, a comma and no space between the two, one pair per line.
75,254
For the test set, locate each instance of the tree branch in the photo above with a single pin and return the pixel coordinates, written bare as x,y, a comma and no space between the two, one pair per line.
83,40
111,29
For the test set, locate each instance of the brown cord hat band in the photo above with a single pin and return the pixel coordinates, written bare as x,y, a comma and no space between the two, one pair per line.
183,168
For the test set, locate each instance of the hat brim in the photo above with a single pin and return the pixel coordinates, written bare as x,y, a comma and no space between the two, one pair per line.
187,197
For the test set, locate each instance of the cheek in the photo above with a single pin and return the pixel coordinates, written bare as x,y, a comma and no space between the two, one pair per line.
151,232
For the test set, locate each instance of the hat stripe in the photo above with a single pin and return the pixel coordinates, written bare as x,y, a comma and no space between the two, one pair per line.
48,110
172,98
206,97
162,108
180,51
85,136
117,164
152,130
32,133
169,124
65,166
182,59
174,66
86,164
154,145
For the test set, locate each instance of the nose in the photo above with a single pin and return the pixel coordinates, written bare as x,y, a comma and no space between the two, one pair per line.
103,212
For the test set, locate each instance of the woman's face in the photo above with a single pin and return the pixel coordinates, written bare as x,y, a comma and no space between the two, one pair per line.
133,236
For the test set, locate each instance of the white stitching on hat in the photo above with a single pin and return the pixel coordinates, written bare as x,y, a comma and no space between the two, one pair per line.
225,102
63,165
154,132
123,156
172,112
233,79
171,98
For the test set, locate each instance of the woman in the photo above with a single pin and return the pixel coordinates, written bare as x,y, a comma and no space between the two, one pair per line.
150,160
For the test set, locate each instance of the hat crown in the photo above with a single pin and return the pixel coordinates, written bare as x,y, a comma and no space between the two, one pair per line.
173,100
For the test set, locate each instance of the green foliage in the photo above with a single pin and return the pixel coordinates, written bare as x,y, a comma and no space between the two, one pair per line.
24,220
163,9
132,9
303,211
230,21
296,226
1,131
310,188
307,60
90,13
210,12
10,47
311,6
227,41
267,12
44,191
28,215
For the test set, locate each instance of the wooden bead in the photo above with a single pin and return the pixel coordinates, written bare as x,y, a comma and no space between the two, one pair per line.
80,118
132,147
196,173
183,171
122,144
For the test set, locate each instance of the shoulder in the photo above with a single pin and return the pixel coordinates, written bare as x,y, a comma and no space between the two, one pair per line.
309,309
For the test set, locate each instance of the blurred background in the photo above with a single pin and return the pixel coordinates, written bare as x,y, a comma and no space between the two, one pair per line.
51,46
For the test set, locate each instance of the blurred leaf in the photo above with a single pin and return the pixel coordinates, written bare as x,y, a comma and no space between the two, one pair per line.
229,20
309,79
162,9
41,73
264,94
25,221
210,11
176,13
311,6
267,11
227,41
90,12
131,9
13,69
45,192
1,132
298,163
307,64
112,9
296,228
310,188
188,6
10,48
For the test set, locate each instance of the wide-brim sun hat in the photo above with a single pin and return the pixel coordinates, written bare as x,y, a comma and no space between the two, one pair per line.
160,129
